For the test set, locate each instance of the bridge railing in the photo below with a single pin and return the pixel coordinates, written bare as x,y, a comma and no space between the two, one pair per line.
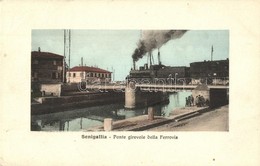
182,81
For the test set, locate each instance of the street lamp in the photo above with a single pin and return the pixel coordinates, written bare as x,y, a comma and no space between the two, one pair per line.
175,79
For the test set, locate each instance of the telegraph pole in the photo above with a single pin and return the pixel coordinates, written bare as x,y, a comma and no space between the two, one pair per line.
64,59
69,46
67,50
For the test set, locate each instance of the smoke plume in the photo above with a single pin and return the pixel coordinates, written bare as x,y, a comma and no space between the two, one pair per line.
152,39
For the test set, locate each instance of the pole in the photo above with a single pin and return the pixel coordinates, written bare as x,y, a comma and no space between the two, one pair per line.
150,56
175,80
64,59
69,46
152,59
212,53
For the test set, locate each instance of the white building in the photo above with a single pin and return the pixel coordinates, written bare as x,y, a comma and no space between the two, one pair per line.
89,74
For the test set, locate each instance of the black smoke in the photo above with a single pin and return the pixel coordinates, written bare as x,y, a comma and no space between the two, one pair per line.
152,39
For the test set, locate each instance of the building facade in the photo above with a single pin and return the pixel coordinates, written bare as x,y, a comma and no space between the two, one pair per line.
88,74
46,67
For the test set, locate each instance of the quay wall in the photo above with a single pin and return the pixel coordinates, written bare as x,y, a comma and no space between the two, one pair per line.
63,103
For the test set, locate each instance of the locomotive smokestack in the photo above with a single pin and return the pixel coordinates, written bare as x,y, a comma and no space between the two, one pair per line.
150,57
81,61
159,57
134,67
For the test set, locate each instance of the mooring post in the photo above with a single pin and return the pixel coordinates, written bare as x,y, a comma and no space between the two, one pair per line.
108,124
151,113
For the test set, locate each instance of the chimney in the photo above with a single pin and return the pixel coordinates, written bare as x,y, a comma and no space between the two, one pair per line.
81,61
39,49
134,65
146,66
159,58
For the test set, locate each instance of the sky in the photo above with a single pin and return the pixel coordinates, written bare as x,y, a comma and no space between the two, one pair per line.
109,49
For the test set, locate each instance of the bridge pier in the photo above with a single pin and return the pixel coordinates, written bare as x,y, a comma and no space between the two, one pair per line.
201,90
130,96
215,96
135,97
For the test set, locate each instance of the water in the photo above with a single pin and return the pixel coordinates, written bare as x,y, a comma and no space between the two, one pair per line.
84,118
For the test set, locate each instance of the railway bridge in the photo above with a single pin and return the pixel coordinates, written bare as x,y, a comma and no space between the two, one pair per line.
216,94
139,94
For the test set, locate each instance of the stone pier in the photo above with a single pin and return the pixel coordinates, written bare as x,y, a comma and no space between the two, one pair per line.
130,96
135,97
216,97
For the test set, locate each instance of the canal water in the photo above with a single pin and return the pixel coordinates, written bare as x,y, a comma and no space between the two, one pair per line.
84,118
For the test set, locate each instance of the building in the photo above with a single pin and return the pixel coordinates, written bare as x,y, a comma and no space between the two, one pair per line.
46,67
88,74
216,72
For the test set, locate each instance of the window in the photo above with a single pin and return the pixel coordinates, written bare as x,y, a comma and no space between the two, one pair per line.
69,74
35,75
54,62
74,74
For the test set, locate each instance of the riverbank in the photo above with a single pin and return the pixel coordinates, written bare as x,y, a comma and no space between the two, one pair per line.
214,120
141,123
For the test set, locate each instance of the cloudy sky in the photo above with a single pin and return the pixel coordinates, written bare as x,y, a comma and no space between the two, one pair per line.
109,49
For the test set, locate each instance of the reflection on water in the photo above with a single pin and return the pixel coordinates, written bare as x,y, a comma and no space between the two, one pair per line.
84,118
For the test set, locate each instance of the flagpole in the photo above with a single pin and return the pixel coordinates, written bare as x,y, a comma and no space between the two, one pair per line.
212,53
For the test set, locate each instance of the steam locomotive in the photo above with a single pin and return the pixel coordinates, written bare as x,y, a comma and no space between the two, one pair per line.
209,72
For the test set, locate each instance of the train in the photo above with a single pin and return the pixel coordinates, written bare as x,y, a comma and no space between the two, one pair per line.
208,72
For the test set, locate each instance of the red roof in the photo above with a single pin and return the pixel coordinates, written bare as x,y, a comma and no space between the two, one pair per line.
38,54
89,69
